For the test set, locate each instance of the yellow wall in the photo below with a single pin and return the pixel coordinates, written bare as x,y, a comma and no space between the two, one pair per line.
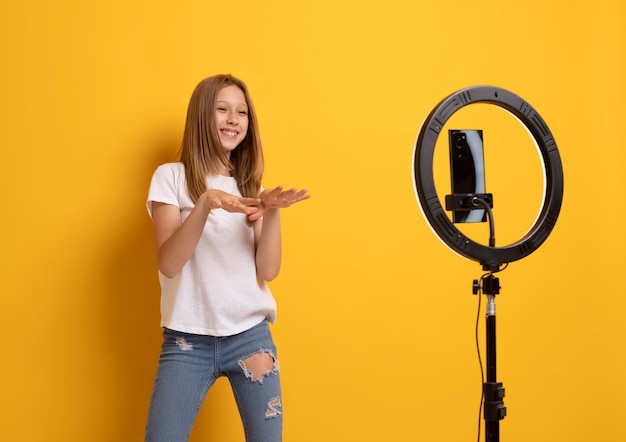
376,316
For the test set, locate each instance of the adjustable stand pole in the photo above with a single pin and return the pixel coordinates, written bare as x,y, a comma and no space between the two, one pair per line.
492,389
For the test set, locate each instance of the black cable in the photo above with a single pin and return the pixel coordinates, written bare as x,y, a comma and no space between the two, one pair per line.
492,228
506,264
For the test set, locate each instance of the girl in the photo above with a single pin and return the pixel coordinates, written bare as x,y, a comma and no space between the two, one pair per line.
218,241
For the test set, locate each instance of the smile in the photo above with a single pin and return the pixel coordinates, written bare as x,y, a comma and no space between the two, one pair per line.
230,133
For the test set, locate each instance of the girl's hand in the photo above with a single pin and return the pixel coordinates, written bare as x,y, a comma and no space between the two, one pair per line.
277,198
218,199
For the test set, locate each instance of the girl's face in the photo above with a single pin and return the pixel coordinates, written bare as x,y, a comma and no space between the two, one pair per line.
231,117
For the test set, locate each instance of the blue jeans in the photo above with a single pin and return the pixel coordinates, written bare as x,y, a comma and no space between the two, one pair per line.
189,365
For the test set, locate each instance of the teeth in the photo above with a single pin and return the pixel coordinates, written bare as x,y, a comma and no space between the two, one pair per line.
229,133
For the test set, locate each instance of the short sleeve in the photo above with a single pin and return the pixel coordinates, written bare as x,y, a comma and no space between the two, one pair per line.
165,185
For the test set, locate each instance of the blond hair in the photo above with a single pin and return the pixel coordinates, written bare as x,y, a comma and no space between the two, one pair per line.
201,151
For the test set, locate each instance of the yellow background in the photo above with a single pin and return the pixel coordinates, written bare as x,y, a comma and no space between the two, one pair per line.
376,316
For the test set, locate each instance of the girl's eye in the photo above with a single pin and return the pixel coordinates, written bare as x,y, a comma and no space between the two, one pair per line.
221,109
243,113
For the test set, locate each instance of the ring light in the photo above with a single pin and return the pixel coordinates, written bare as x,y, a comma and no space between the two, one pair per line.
489,257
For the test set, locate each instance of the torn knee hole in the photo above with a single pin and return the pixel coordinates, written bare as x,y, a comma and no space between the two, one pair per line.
259,365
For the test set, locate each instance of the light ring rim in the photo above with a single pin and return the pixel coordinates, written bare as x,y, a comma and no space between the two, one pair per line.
430,203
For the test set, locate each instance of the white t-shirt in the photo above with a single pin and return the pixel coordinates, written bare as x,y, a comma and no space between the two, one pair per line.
217,292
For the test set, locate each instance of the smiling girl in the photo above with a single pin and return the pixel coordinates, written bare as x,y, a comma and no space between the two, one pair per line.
218,242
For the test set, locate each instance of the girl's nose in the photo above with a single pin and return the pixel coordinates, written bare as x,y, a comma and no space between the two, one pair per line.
233,118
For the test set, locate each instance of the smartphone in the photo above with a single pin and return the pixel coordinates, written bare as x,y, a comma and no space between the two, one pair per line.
467,171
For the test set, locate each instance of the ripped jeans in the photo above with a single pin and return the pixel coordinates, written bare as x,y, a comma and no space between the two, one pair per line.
189,365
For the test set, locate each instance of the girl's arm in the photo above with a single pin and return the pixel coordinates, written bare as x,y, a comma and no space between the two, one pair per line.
176,240
268,245
267,230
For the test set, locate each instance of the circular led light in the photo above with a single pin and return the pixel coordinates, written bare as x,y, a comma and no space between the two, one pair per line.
489,257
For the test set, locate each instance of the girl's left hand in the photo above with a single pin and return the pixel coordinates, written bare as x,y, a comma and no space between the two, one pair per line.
277,198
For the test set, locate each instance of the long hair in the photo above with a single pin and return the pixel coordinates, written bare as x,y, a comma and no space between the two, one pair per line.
202,153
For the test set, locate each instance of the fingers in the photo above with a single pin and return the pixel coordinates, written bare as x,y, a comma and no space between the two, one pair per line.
279,198
256,215
232,203
295,195
250,201
247,206
276,198
302,195
272,193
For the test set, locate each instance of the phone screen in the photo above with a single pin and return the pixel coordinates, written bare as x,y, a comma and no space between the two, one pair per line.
467,170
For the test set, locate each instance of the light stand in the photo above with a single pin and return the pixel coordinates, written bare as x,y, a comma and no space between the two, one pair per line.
490,257
493,391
